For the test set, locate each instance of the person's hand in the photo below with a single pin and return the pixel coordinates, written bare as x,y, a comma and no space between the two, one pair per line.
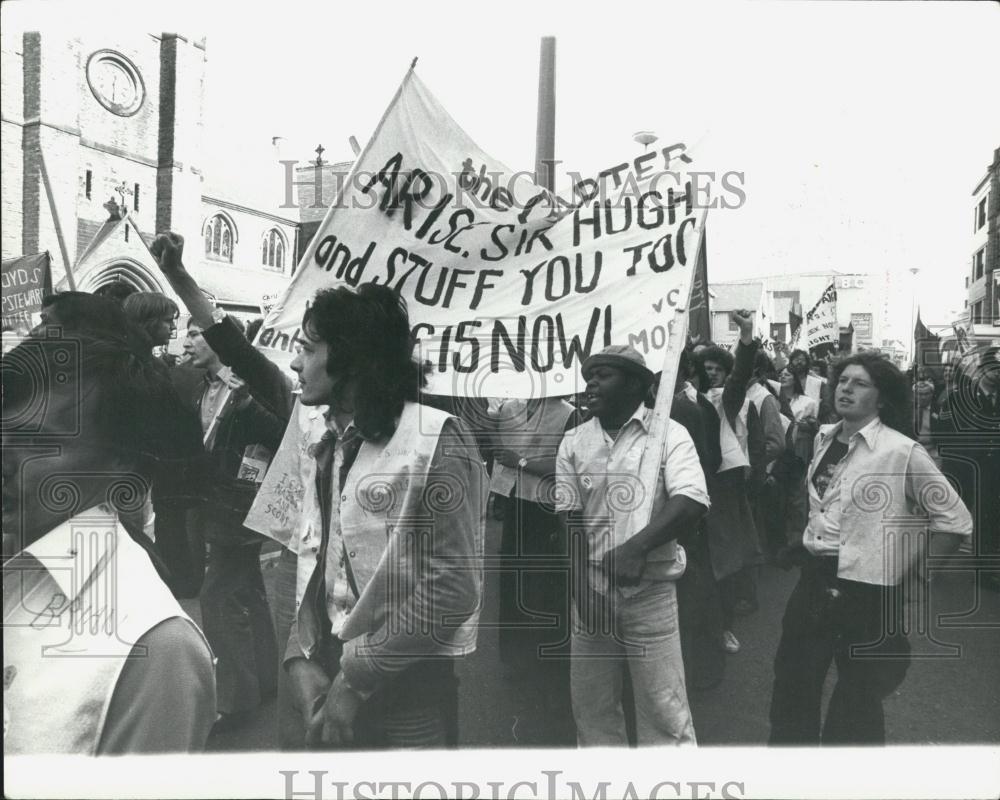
333,723
234,381
168,250
625,564
241,394
744,321
308,682
508,457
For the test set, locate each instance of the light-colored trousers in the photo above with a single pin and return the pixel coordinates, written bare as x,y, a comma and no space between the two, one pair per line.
640,633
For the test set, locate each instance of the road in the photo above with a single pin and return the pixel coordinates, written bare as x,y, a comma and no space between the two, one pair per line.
951,694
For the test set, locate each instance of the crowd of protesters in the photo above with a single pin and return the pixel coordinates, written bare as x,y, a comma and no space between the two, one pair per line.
178,468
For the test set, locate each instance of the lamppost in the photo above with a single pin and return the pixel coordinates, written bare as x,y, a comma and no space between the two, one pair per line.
645,138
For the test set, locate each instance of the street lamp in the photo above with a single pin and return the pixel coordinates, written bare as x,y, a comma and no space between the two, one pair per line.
645,138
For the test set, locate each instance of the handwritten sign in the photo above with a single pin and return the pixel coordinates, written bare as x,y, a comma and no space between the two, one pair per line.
25,281
509,287
820,323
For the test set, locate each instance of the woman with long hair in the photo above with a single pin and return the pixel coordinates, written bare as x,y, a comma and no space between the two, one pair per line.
848,604
154,316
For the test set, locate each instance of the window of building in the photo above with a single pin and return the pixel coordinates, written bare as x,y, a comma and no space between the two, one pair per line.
272,249
219,238
88,184
981,214
977,313
978,261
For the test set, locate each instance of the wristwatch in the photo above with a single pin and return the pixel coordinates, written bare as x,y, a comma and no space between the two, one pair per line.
522,463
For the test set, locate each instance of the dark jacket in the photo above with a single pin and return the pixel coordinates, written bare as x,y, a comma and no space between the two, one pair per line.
260,420
702,423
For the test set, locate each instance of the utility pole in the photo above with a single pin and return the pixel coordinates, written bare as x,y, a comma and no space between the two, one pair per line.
545,129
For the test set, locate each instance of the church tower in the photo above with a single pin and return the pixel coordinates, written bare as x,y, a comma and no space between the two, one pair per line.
99,119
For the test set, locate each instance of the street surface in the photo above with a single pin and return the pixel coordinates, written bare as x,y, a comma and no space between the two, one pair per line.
951,694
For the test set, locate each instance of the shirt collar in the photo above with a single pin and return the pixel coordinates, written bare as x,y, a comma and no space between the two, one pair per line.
334,427
641,415
71,563
869,433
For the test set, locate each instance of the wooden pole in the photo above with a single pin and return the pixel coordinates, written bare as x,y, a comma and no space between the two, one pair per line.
55,221
545,129
656,440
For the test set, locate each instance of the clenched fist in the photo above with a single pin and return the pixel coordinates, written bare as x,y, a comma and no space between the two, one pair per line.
168,249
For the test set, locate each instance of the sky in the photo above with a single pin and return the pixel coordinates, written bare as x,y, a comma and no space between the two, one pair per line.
861,129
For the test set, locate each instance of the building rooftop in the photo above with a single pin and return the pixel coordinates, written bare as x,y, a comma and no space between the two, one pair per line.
736,295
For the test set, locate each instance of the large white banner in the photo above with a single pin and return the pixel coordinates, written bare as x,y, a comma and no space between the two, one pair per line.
509,287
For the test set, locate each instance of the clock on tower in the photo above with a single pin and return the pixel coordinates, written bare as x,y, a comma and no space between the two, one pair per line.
115,82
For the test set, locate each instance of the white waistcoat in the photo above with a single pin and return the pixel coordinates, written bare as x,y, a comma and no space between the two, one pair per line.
733,442
69,628
382,501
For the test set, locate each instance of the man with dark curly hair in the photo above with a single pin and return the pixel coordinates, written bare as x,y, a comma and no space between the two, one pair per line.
392,539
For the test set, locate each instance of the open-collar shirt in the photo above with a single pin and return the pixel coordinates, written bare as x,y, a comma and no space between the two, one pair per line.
862,483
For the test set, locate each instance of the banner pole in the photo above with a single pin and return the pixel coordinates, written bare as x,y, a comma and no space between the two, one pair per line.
656,440
55,221
348,181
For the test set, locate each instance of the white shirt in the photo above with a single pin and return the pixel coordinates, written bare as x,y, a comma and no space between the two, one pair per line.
885,494
598,476
804,406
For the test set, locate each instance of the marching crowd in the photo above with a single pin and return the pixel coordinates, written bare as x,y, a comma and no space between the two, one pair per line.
132,481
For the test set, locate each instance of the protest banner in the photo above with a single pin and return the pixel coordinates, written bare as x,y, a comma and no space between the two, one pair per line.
25,281
762,326
509,287
963,333
820,323
267,302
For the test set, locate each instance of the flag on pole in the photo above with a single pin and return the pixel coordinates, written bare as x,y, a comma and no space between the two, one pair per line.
927,349
699,311
794,324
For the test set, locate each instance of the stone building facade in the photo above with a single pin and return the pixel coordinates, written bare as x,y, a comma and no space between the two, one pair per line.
90,119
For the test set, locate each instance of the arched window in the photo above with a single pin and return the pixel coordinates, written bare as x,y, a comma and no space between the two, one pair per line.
219,238
272,249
